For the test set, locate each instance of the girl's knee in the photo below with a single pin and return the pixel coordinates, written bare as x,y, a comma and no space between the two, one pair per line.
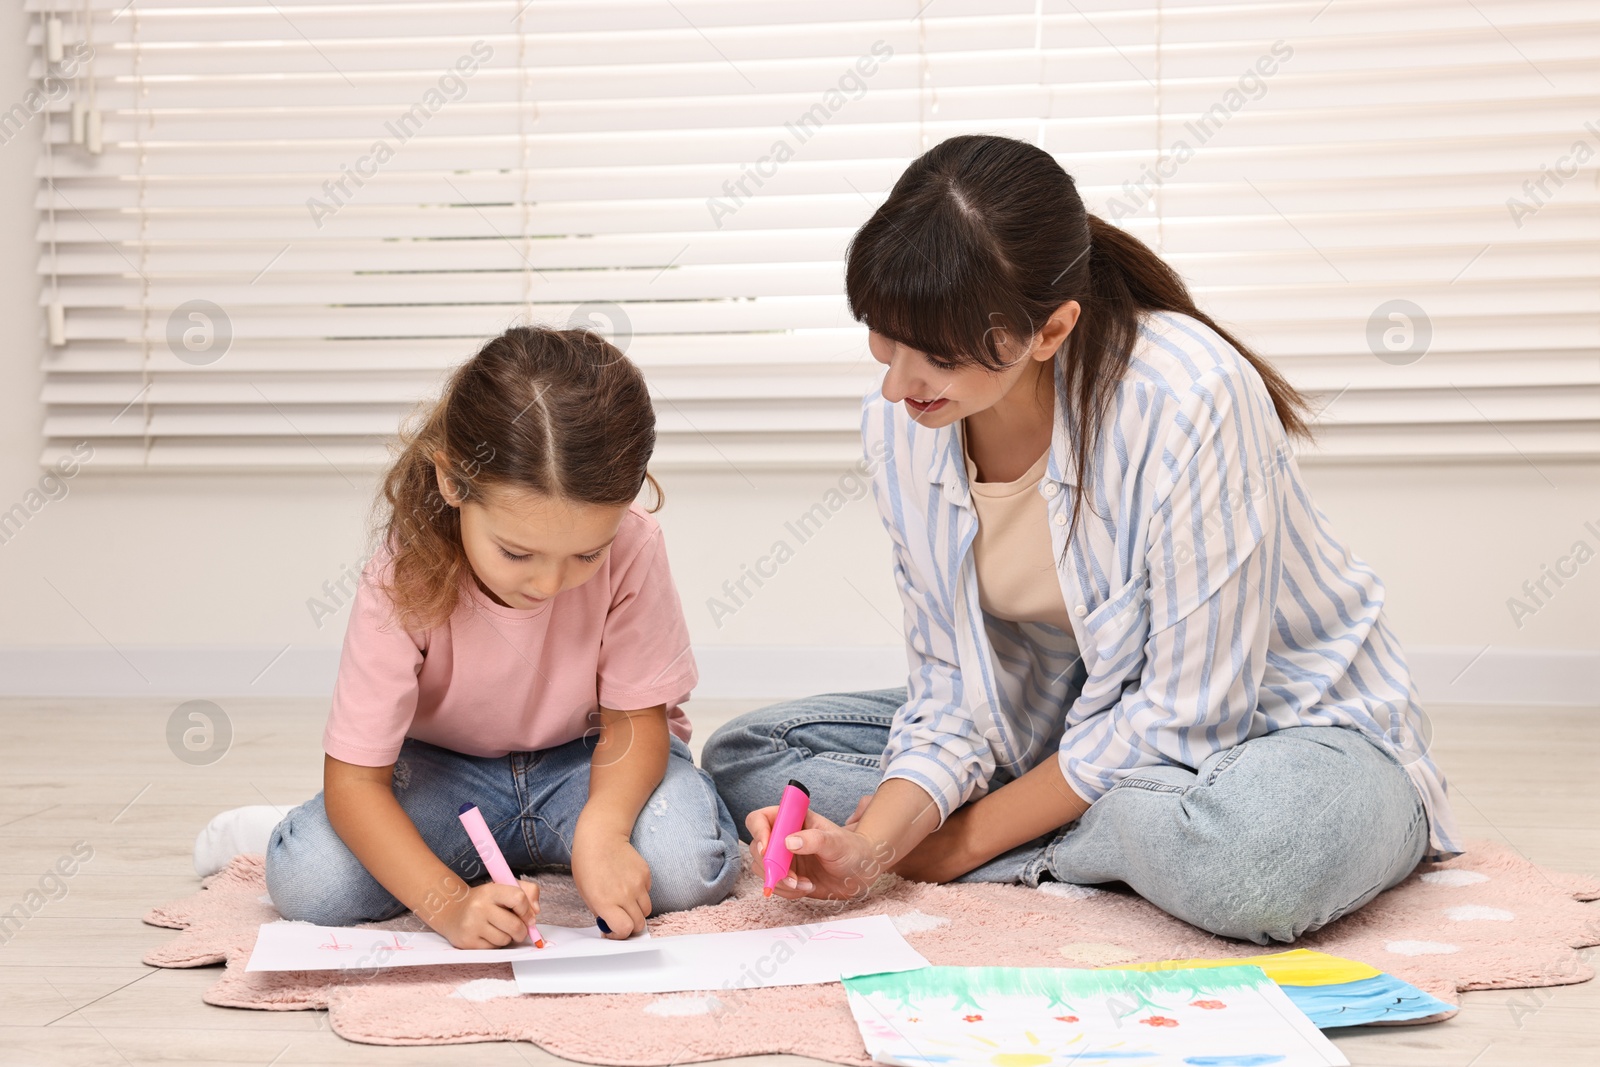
680,887
313,877
695,870
295,890
686,836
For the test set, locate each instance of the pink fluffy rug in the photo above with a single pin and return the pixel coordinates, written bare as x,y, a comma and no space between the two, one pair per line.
1486,920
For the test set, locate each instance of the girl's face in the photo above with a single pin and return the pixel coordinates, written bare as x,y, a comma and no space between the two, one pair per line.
937,393
525,547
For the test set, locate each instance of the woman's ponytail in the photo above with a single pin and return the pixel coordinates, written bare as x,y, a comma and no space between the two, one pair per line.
1125,277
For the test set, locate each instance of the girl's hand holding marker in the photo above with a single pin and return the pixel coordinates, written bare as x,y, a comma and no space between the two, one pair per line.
491,915
612,878
485,912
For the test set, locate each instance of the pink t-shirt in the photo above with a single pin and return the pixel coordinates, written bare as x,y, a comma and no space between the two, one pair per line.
494,679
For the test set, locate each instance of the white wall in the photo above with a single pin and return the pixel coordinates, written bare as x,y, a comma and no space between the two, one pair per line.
125,566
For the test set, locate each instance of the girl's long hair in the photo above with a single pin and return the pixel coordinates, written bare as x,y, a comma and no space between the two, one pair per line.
560,413
984,237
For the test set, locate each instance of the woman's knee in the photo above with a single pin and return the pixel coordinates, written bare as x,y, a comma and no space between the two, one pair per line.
1261,907
826,722
838,737
1269,841
1274,891
754,739
312,876
743,755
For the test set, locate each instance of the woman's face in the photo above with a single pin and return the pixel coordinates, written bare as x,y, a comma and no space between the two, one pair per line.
937,393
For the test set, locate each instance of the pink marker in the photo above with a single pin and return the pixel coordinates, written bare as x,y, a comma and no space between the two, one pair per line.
792,808
489,852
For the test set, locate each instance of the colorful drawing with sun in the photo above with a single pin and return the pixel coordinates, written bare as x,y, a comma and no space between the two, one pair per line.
1040,1017
1331,990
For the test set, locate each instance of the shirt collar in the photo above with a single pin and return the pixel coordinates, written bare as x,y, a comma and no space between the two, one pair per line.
947,466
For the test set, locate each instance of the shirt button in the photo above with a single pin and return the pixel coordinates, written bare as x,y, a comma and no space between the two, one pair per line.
1061,520
1050,490
1080,611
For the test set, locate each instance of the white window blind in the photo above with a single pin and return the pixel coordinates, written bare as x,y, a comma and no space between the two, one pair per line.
301,215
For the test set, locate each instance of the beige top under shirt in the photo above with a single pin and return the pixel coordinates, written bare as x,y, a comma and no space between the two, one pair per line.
1016,563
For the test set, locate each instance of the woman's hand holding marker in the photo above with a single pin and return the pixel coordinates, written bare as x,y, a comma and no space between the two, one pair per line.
828,861
792,809
804,854
836,862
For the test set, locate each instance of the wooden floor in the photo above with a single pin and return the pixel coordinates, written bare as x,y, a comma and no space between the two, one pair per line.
72,989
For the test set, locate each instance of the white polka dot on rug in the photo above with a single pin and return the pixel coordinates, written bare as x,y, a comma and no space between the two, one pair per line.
1467,913
1454,878
1420,948
693,1005
1096,954
1068,891
916,922
481,989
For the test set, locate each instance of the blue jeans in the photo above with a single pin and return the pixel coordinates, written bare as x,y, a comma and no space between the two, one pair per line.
1264,841
531,801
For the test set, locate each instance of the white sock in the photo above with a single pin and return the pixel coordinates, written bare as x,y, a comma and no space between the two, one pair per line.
235,832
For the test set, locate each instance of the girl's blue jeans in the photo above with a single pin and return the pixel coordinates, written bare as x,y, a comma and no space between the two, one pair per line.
531,801
1264,841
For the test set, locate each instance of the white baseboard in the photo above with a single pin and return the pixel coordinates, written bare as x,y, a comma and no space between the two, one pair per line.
169,670
779,672
1444,675
1506,676
727,672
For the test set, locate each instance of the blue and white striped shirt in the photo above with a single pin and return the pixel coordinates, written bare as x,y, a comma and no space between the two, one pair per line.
1211,601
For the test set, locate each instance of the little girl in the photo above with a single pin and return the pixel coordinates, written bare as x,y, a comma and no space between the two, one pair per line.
517,644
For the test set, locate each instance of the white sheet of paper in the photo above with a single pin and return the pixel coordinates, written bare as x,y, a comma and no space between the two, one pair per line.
739,959
294,946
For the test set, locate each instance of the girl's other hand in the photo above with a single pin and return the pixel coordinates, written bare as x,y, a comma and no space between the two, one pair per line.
489,915
613,879
830,861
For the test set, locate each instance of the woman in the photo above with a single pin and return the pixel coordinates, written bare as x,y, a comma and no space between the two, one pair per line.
1138,653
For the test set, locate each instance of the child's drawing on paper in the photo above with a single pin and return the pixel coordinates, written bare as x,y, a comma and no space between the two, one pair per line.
1332,991
297,946
1036,1017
